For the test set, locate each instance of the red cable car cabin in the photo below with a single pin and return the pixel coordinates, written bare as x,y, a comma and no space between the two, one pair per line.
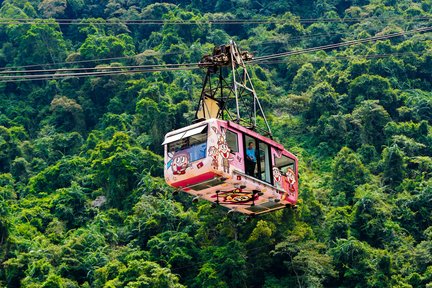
209,160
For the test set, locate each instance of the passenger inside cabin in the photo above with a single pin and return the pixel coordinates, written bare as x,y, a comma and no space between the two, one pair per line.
250,159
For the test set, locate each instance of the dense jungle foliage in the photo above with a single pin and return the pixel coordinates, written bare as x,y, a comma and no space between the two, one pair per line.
359,119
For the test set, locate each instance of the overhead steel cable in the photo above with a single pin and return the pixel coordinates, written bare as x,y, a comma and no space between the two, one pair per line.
278,61
91,60
117,21
191,66
289,40
146,68
315,58
6,70
296,38
342,44
90,74
92,68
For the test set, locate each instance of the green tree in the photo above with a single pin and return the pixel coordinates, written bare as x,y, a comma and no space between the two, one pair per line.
393,166
230,261
9,146
304,258
83,250
176,249
323,101
70,206
67,113
44,40
359,264
420,205
154,215
304,78
333,130
373,87
106,46
259,242
118,163
348,173
338,223
371,218
57,176
139,273
53,8
7,194
208,277
369,119
157,119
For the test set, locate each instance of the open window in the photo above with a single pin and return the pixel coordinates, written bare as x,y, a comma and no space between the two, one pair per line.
257,159
193,142
251,156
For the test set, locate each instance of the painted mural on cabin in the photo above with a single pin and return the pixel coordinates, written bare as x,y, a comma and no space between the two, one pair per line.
185,163
284,181
235,196
180,162
221,152
215,154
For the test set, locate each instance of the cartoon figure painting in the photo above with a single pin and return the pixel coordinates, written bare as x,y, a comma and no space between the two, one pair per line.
226,157
214,154
284,180
290,181
180,162
221,150
277,177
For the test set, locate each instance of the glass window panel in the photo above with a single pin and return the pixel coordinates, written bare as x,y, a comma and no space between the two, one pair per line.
264,162
195,145
283,163
232,141
250,156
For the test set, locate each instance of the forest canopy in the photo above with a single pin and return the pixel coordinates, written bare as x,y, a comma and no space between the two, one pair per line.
83,202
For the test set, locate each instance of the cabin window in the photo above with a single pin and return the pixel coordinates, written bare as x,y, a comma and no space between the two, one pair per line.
194,144
283,163
251,156
232,141
257,160
264,162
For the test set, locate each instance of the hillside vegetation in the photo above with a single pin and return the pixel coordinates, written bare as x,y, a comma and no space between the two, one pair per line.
359,118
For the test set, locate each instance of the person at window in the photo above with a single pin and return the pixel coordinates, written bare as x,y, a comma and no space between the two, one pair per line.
250,159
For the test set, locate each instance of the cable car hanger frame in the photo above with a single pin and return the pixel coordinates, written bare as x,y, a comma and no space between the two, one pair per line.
236,101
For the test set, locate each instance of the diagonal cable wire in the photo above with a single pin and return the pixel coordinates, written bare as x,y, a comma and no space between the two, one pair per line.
342,44
191,66
91,60
9,21
329,57
90,74
93,68
293,39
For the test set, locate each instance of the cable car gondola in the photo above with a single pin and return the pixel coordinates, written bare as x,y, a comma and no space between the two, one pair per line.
228,162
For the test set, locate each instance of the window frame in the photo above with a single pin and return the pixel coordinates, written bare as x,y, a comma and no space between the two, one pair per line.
280,167
266,163
237,141
187,140
258,155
